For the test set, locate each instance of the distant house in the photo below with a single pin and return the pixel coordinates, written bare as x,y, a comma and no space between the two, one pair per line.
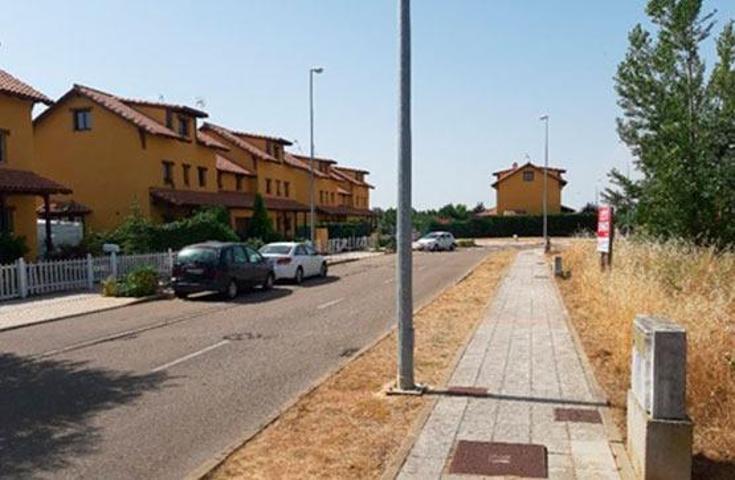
519,190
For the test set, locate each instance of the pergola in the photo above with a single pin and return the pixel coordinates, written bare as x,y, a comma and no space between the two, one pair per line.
22,182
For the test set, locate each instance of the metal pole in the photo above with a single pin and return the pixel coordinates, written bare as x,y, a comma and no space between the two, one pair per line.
311,154
547,244
404,288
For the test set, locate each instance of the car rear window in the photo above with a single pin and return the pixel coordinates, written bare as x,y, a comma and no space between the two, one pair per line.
198,255
276,249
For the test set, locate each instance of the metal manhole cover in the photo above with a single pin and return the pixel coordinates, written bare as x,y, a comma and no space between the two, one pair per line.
467,391
580,415
493,458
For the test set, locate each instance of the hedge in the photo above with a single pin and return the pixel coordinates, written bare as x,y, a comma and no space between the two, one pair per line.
563,225
340,230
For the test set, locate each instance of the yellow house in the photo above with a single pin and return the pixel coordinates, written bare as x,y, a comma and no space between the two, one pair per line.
519,190
20,185
122,154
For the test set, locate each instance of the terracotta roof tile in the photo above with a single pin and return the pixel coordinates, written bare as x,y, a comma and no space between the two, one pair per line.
290,159
280,140
231,137
224,164
25,182
190,198
65,208
342,191
172,106
307,158
553,173
208,141
12,86
352,179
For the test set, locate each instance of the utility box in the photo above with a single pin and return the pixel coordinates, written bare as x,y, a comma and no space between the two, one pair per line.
659,439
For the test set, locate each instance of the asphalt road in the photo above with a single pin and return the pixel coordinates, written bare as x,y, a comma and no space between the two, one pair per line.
155,390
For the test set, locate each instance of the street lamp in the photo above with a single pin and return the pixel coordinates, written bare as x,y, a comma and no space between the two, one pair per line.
312,71
547,244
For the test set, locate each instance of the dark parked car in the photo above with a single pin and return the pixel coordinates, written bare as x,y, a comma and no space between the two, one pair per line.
220,267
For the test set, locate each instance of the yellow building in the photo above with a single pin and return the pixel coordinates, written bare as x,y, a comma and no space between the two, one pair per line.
519,190
120,154
20,185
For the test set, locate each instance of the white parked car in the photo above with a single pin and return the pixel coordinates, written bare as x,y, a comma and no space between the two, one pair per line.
435,241
294,260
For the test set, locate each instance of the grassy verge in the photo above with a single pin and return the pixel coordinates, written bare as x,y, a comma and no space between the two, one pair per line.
346,428
692,286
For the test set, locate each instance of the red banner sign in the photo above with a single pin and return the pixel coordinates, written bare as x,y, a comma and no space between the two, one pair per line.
604,227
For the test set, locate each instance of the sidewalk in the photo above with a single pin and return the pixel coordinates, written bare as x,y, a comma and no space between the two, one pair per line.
345,257
19,313
520,381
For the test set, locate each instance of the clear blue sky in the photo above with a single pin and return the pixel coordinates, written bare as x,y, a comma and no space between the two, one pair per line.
484,71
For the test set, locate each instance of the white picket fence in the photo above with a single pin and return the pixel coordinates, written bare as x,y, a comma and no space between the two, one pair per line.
22,279
350,244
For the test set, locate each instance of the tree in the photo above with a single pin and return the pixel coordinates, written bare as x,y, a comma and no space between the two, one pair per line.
589,207
679,126
623,197
479,208
261,225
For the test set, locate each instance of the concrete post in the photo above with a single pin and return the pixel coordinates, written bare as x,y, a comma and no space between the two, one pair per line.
113,265
558,269
90,272
22,278
659,438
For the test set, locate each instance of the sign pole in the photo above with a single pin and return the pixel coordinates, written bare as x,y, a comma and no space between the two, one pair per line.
605,235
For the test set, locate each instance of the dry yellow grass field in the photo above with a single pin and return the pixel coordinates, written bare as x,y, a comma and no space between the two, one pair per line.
692,286
348,428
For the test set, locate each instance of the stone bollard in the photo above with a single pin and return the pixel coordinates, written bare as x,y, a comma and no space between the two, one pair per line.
659,432
558,270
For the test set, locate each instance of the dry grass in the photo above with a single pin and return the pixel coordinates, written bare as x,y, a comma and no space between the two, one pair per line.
346,428
694,287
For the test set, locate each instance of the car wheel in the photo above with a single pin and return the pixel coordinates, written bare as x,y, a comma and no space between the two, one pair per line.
232,290
299,277
452,247
323,270
434,247
181,295
269,281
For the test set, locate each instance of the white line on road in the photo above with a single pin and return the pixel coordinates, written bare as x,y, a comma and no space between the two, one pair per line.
329,304
390,280
190,356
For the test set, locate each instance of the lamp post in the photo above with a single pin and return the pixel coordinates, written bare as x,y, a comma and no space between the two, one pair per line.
312,71
547,244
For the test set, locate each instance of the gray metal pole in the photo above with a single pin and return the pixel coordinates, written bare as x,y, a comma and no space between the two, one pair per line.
311,155
547,245
404,287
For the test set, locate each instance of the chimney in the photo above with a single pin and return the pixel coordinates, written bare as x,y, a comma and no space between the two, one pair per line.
515,165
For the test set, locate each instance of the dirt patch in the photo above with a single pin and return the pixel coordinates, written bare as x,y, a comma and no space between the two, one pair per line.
347,428
691,286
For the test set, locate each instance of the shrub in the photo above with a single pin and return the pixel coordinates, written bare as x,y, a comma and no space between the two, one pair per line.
261,225
141,282
466,242
563,225
340,229
11,248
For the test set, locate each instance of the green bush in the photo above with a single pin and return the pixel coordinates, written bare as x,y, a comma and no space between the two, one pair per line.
466,243
11,248
563,225
340,229
141,282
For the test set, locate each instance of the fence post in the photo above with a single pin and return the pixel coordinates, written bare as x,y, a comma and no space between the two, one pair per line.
170,261
90,272
22,278
113,265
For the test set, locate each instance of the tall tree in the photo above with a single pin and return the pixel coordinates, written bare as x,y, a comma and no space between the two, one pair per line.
678,124
261,225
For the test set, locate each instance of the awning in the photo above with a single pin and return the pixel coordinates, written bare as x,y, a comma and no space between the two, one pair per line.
348,211
65,209
23,182
189,198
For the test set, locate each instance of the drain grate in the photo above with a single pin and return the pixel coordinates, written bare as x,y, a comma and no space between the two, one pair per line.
467,391
578,415
348,352
492,458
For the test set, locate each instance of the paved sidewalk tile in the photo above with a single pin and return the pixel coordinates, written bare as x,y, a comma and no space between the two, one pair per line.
19,313
524,355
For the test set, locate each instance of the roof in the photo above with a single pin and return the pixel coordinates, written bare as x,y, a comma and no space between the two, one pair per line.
342,191
490,212
224,164
351,169
16,88
280,140
307,158
344,210
25,182
291,160
350,178
507,173
208,141
172,106
190,198
65,209
231,137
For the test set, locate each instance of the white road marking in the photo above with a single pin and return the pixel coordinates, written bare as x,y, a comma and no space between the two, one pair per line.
390,280
329,304
190,356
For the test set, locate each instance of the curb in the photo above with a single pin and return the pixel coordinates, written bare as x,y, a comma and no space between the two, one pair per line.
207,467
350,260
137,301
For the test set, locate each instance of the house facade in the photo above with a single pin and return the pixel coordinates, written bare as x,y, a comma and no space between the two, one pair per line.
21,186
520,190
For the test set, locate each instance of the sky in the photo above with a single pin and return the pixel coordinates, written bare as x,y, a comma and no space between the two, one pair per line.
483,73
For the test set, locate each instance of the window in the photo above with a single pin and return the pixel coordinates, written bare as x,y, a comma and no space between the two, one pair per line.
219,180
253,256
278,188
286,186
168,173
528,176
332,198
183,126
321,196
169,118
6,219
268,186
300,251
3,146
238,183
185,168
82,119
239,255
202,171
